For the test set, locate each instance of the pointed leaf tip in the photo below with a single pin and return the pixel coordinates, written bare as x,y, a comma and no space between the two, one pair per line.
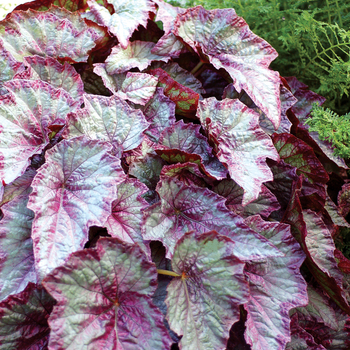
73,190
226,40
104,300
239,142
199,308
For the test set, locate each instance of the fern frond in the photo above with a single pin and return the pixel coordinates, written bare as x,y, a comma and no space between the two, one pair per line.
331,127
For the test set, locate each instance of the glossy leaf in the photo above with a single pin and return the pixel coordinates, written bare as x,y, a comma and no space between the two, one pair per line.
321,267
43,5
184,208
276,286
9,67
19,186
126,218
225,39
188,173
287,102
183,77
301,111
109,119
23,319
138,87
298,154
58,33
73,190
137,54
51,71
199,308
160,112
127,16
181,143
264,205
320,245
113,82
168,44
319,308
239,143
186,99
25,123
16,247
103,300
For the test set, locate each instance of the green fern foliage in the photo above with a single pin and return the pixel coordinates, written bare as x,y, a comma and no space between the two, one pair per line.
323,60
312,38
333,128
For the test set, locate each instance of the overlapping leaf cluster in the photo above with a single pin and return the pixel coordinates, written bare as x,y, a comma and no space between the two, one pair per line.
159,185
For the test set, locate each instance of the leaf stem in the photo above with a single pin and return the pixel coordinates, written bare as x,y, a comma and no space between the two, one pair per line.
197,67
168,273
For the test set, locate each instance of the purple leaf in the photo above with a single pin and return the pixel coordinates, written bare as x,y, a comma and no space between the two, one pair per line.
276,286
298,154
264,205
187,139
127,16
73,190
58,33
187,173
300,339
19,186
51,71
23,319
319,308
320,246
104,300
182,76
16,246
108,119
199,308
25,123
168,45
113,82
287,101
330,338
184,208
344,199
136,55
301,111
126,218
186,99
138,87
9,67
225,39
240,143
160,112
321,267
167,14
145,164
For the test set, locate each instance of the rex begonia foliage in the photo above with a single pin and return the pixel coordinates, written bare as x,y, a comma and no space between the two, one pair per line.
163,130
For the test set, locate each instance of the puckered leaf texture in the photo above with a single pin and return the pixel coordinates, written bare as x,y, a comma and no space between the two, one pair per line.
198,308
16,247
184,208
127,16
24,319
276,287
56,33
104,300
226,41
240,143
73,190
25,122
134,131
